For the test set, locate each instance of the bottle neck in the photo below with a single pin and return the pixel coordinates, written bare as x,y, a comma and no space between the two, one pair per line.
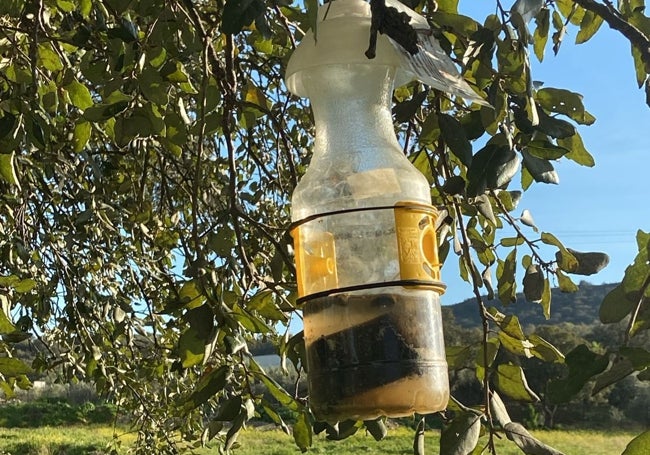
351,106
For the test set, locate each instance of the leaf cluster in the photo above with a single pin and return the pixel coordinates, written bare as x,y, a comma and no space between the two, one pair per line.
148,149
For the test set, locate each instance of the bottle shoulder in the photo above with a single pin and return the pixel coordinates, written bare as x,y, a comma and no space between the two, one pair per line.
356,182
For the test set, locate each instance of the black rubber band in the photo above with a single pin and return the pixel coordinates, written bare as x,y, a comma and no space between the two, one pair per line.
383,284
414,205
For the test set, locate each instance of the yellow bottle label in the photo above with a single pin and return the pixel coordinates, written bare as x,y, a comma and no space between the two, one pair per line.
414,248
315,260
417,242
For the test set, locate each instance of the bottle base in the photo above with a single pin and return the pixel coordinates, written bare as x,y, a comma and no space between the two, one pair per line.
425,393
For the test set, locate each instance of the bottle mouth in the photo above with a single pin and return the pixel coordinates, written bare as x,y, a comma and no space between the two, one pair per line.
342,37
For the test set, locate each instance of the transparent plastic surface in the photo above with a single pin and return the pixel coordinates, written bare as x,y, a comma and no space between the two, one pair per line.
357,161
374,354
368,247
370,352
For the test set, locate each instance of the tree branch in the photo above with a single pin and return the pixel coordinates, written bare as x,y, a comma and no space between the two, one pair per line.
617,22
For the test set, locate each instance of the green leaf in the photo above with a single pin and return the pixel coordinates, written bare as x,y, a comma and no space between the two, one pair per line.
615,306
565,283
544,350
511,381
457,356
527,219
404,111
498,408
200,319
79,95
540,37
191,348
312,16
546,299
577,151
25,286
510,199
639,66
222,242
533,283
264,304
103,112
484,207
462,25
620,369
125,31
454,185
516,346
174,72
492,348
275,417
11,367
545,150
528,444
583,365
210,383
302,432
454,136
638,445
541,170
571,12
510,325
564,102
249,321
8,170
85,7
276,390
566,261
18,74
238,14
554,127
586,263
511,241
492,167
7,122
507,288
430,131
156,55
193,341
81,135
637,275
589,25
190,295
48,58
448,6
550,239
6,326
233,432
461,436
472,125
229,409
153,87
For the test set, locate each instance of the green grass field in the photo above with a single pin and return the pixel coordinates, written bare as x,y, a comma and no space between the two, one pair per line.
96,440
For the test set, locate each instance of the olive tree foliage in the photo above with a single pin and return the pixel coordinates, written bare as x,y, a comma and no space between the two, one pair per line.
148,151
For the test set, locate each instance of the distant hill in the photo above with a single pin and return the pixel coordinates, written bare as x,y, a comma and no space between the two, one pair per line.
580,307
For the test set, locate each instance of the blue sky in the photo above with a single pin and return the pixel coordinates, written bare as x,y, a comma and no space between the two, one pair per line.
599,208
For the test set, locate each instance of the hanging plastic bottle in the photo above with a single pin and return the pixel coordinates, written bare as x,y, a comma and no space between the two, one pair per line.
364,234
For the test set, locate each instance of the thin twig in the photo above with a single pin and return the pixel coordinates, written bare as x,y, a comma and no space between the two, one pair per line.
285,23
512,222
637,310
